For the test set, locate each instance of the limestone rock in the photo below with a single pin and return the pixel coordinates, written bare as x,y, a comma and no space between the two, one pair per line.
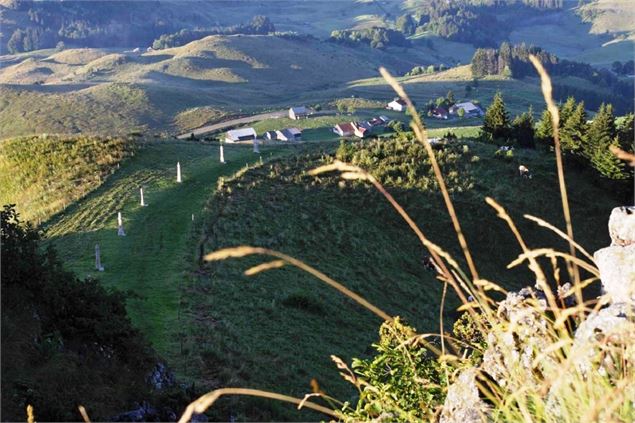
614,325
617,272
462,403
622,226
515,345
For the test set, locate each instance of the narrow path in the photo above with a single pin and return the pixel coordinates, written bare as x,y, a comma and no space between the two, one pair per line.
233,122
151,261
247,119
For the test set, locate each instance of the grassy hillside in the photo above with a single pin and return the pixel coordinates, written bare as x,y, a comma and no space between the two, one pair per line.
152,261
110,91
276,330
42,175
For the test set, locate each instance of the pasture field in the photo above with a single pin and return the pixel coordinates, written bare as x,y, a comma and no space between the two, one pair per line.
153,260
276,330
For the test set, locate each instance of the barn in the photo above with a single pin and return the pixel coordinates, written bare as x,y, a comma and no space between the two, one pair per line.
243,134
297,113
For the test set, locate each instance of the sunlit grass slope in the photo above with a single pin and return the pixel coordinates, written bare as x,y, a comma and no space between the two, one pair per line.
44,174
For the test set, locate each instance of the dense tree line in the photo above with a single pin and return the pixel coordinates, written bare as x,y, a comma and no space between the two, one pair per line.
258,25
626,68
91,24
513,61
582,141
476,22
374,37
65,341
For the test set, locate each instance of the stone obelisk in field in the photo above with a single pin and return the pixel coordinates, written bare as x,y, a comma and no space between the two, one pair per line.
222,154
98,265
120,231
178,172
256,146
143,203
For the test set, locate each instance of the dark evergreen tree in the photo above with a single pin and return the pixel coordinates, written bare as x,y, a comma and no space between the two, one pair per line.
574,130
496,126
450,98
406,24
504,58
523,129
544,129
626,133
16,42
566,110
601,133
607,164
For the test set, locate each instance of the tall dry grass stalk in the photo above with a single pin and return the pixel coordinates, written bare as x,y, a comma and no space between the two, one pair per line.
30,415
547,91
206,401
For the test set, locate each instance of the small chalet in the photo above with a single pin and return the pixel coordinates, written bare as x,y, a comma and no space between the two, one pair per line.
270,135
468,107
289,134
243,134
398,105
297,113
361,129
344,129
440,113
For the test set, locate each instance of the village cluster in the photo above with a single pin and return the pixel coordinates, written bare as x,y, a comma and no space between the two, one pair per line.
359,129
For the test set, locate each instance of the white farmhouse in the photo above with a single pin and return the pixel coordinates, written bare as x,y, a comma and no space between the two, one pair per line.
398,105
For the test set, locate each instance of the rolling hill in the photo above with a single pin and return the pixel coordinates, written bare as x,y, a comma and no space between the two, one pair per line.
116,92
276,330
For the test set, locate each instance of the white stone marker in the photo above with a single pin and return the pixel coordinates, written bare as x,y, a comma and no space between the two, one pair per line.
120,231
143,204
256,143
178,172
98,265
222,155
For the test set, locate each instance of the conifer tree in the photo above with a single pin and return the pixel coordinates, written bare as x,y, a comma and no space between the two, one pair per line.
450,97
574,130
544,129
523,129
626,133
607,164
601,133
566,110
496,121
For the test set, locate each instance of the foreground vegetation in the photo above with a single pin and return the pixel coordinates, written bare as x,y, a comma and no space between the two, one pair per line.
66,340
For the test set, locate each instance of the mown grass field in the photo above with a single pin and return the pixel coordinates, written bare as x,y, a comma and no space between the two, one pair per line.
277,330
152,261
